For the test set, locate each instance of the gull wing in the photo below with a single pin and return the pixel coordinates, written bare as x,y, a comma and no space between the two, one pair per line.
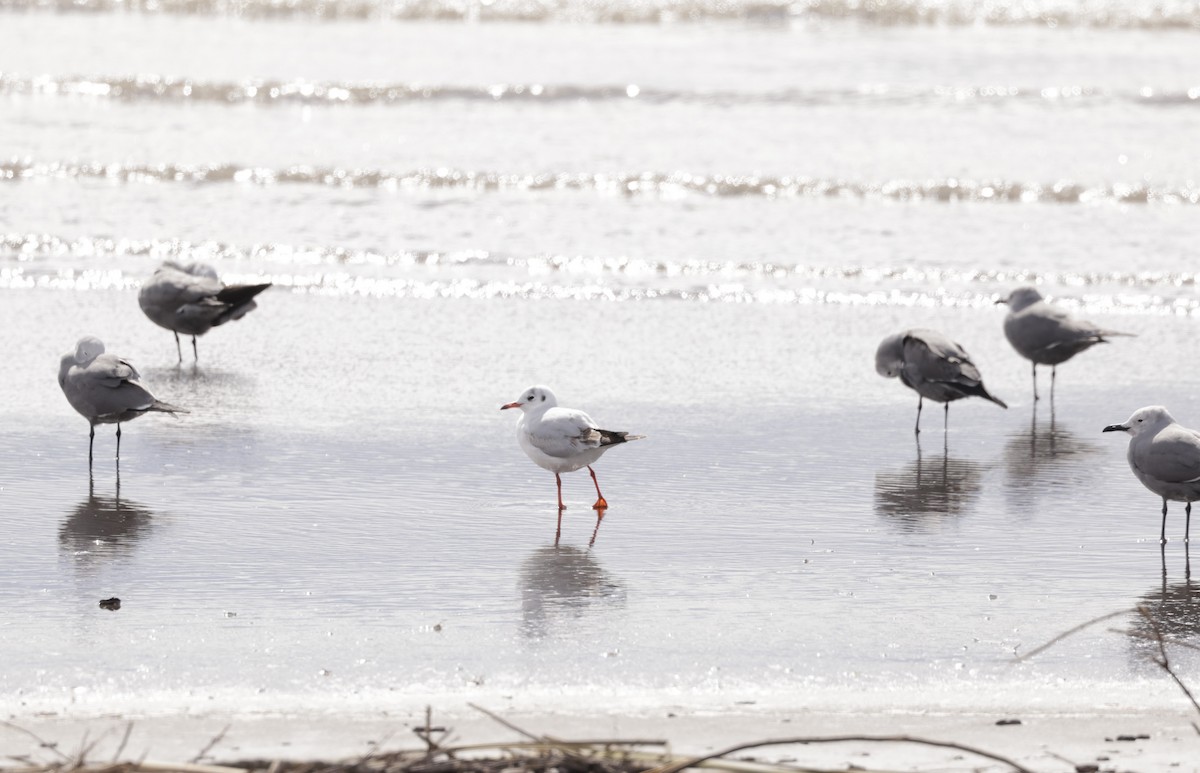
563,433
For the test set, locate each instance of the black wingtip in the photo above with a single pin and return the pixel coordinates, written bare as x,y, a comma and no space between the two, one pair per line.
239,294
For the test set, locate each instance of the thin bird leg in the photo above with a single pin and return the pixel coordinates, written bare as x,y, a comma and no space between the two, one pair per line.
178,348
945,418
195,354
601,504
1035,394
561,506
1162,537
595,531
920,401
91,440
1187,524
1053,376
118,441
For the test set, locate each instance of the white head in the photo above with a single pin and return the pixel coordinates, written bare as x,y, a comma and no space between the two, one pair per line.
1150,419
889,357
535,398
1021,298
87,349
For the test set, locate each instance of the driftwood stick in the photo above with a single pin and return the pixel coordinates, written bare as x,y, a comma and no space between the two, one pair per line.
216,739
678,767
1076,629
43,743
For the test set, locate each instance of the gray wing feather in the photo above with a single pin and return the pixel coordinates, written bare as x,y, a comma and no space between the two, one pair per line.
1173,456
563,433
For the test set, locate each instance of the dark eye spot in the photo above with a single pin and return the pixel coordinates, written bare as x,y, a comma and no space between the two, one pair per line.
543,398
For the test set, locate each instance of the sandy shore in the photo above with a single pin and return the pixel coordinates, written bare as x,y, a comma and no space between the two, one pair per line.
1112,740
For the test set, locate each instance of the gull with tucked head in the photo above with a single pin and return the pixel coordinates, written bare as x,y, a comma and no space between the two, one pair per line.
1165,457
1046,335
105,389
562,439
933,366
191,300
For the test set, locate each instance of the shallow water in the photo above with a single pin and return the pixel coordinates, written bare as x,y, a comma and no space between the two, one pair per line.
343,521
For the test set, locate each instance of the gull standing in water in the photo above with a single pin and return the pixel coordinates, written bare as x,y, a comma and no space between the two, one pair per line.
1047,335
562,439
933,366
1165,457
105,389
191,300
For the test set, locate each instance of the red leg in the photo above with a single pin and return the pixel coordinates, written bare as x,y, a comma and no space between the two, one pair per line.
601,504
558,481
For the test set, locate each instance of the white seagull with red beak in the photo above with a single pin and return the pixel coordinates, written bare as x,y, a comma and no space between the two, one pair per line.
562,439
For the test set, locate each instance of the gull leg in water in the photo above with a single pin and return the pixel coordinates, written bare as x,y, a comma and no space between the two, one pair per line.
920,402
118,441
1035,394
945,418
1187,524
195,352
601,504
1162,537
595,531
178,348
91,441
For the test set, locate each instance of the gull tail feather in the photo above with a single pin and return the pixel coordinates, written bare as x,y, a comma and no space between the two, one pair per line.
239,294
609,437
159,405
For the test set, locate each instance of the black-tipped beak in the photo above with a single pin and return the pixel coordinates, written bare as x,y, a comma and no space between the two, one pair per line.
999,301
1115,428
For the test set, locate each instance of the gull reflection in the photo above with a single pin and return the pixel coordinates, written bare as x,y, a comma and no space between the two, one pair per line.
1170,611
932,485
563,583
103,527
1046,452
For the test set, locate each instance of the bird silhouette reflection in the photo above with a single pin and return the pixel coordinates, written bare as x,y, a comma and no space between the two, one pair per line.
103,527
930,486
1171,612
1044,454
560,583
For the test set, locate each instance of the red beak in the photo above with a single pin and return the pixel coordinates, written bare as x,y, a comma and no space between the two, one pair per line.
511,405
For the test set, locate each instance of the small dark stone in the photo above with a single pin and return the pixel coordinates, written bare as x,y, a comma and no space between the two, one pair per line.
1087,768
112,604
1132,737
1003,722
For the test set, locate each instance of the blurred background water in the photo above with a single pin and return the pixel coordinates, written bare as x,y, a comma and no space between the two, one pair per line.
694,220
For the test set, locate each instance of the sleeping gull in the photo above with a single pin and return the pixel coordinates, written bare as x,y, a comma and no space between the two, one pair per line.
105,389
191,300
562,439
933,366
1165,457
1047,335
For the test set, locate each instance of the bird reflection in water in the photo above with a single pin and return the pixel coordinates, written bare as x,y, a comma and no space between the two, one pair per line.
929,486
560,583
103,527
1170,613
1046,452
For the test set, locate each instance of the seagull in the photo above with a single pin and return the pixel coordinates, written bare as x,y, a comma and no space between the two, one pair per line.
1047,335
1165,457
190,300
562,439
105,389
933,366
